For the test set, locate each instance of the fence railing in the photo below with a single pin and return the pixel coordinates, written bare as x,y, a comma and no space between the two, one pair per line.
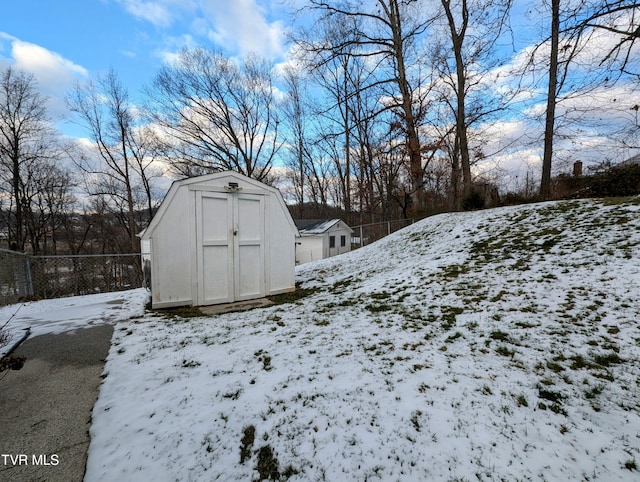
58,276
15,277
368,233
22,276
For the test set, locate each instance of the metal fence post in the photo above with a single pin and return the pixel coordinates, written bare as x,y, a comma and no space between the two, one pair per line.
15,277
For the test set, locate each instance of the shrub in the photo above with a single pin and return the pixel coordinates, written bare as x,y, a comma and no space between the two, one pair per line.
473,201
617,181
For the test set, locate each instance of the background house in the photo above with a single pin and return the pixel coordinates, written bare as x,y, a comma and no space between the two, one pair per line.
219,238
321,238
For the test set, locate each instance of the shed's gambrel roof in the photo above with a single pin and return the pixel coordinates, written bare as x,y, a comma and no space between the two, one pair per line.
212,178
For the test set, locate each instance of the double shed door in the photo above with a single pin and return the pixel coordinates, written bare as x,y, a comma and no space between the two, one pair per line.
230,244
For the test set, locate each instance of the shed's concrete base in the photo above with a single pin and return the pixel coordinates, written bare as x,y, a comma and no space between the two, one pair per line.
237,306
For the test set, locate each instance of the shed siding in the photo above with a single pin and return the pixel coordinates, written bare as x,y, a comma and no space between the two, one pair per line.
311,248
171,256
187,249
338,249
281,260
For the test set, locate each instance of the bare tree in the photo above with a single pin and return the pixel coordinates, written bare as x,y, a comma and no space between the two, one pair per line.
621,18
334,78
297,119
27,142
552,97
386,34
119,162
216,114
473,28
48,189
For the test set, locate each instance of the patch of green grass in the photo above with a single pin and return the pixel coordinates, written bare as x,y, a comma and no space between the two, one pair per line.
630,465
452,338
264,358
235,395
454,270
550,395
525,324
180,312
620,201
521,265
246,442
603,375
498,296
499,335
291,297
377,308
449,314
607,359
415,420
557,408
289,471
593,392
190,364
549,243
578,362
342,285
504,350
267,465
486,390
554,367
380,296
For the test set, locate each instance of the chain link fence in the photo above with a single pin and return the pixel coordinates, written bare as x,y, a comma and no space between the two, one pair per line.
23,276
59,276
368,233
15,277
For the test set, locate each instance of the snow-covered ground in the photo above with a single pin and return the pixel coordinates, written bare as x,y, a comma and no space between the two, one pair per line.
495,345
68,314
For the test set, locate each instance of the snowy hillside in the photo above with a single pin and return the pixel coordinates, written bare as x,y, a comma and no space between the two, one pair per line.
496,345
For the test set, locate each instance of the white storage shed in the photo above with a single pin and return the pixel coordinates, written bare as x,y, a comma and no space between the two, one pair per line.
219,238
321,238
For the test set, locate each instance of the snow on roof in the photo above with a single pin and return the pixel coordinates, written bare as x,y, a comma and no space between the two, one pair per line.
632,161
315,226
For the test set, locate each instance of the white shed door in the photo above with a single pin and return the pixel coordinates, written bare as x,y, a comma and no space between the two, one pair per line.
230,245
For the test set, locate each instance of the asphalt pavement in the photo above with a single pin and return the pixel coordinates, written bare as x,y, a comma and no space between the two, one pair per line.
45,407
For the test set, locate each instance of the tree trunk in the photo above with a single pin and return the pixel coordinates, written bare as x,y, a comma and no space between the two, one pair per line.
18,198
413,139
457,39
545,184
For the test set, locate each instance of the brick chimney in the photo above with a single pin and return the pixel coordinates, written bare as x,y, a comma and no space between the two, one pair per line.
577,168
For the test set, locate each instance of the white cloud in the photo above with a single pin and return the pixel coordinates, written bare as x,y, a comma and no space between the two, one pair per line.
239,27
54,73
244,26
161,13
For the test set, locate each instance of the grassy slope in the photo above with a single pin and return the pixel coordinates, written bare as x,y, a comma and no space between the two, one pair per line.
494,345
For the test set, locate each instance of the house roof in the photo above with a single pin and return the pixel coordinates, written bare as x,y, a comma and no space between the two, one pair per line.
317,226
632,161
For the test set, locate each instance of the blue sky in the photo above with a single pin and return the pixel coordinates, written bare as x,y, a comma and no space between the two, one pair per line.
65,41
